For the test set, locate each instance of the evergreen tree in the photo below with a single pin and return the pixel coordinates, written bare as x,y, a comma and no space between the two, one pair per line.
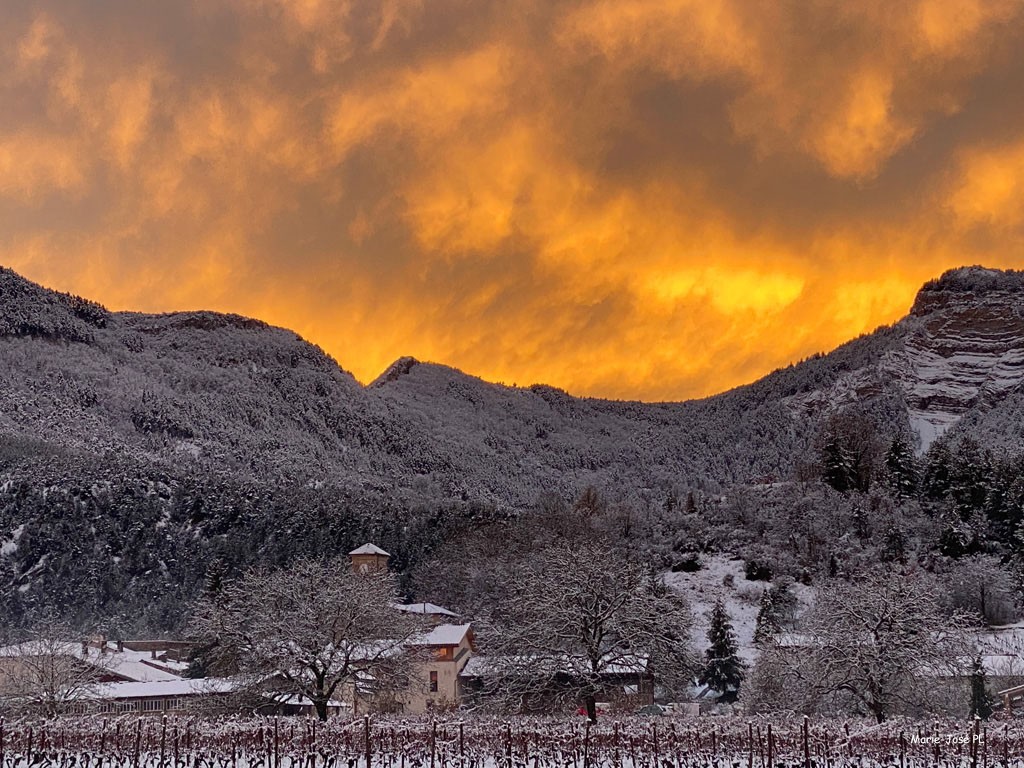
723,670
981,703
767,619
895,544
937,470
971,476
901,469
836,465
691,504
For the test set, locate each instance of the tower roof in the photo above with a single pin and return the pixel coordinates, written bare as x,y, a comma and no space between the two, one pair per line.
369,549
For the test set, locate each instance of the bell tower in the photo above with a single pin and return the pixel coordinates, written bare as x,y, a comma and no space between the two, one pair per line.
368,558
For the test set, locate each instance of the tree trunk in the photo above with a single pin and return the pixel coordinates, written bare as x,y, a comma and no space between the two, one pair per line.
320,705
591,708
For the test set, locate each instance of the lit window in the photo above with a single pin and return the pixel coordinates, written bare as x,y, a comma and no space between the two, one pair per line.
433,682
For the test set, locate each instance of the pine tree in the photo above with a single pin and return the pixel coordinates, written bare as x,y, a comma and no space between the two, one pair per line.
902,470
723,670
837,466
767,619
981,703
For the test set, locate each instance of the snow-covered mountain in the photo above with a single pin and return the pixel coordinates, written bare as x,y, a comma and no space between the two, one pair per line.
209,392
162,442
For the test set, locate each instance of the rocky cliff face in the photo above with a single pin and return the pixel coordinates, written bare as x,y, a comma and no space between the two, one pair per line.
959,352
964,350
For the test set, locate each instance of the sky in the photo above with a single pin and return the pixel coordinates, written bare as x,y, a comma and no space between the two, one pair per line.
643,199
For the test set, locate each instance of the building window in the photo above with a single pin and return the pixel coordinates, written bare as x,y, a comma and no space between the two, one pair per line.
433,682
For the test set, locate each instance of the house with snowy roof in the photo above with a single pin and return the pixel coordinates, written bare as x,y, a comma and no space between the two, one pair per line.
119,661
446,649
431,613
540,682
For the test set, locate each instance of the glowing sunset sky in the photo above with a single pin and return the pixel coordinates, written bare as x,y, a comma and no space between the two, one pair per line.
652,199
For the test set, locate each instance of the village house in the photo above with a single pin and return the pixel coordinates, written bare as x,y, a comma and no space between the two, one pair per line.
625,685
117,661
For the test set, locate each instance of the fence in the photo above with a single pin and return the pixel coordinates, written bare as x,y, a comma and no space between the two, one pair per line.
660,742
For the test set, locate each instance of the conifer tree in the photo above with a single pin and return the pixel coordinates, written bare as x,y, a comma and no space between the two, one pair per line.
767,618
981,704
901,467
723,670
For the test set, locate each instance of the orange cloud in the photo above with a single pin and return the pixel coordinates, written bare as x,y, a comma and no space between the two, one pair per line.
652,199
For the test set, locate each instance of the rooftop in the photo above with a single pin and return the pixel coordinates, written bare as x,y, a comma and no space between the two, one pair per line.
426,608
369,549
442,634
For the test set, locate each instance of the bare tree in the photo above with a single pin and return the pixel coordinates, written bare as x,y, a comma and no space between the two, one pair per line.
578,616
881,645
310,630
50,674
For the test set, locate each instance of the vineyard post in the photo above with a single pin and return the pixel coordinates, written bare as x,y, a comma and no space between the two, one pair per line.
654,732
138,742
750,745
760,745
29,751
433,742
366,740
508,745
807,742
714,741
618,757
673,746
974,742
903,751
586,746
1,742
312,741
1006,745
277,744
163,738
771,756
984,748
462,745
849,744
937,751
234,749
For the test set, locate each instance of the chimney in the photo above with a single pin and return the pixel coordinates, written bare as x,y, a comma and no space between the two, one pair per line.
120,646
152,653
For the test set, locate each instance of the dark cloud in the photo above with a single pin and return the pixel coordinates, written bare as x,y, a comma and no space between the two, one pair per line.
634,198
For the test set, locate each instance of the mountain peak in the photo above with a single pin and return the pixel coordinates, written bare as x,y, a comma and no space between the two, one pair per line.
395,371
28,309
954,285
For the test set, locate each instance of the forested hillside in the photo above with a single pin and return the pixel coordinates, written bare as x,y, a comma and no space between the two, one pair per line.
140,453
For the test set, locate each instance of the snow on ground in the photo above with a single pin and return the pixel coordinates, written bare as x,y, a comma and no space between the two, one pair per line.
742,599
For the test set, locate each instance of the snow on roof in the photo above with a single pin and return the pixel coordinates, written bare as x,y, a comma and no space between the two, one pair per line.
479,666
425,608
164,688
442,634
369,549
133,665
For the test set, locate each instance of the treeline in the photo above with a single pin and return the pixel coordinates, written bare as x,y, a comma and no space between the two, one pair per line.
129,554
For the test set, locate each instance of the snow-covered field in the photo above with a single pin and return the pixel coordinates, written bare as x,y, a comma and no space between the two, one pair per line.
512,742
741,598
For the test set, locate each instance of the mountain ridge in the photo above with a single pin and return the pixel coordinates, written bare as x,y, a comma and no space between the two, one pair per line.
195,436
